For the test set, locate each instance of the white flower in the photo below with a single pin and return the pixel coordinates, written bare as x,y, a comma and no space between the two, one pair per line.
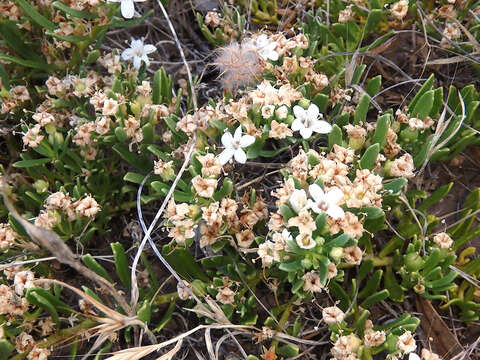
233,146
286,235
413,356
326,201
138,51
282,112
267,111
298,200
127,7
305,241
266,47
332,315
406,342
306,121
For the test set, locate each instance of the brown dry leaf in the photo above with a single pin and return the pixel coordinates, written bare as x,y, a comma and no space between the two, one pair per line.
444,342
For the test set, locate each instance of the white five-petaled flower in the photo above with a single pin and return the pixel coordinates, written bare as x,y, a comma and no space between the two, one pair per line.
305,241
127,7
307,121
266,48
326,201
298,200
234,146
138,51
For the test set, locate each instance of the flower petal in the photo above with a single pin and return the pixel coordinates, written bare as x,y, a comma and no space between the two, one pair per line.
298,200
145,59
127,8
297,125
335,212
240,156
322,127
334,195
306,132
413,356
149,48
227,139
313,205
225,156
127,54
238,134
316,192
273,55
137,62
286,235
313,112
137,44
299,112
246,140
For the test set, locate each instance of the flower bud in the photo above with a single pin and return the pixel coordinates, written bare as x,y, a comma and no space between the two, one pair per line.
413,261
40,186
304,103
290,119
386,167
80,86
194,211
58,137
136,108
282,112
356,143
50,129
336,253
408,135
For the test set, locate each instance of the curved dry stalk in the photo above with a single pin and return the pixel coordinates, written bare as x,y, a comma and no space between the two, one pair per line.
134,293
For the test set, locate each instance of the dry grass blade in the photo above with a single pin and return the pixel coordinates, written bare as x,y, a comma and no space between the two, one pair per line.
105,309
350,69
451,60
52,242
137,353
209,344
107,325
466,276
176,339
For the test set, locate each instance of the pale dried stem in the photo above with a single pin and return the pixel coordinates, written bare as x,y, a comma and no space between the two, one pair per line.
134,293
